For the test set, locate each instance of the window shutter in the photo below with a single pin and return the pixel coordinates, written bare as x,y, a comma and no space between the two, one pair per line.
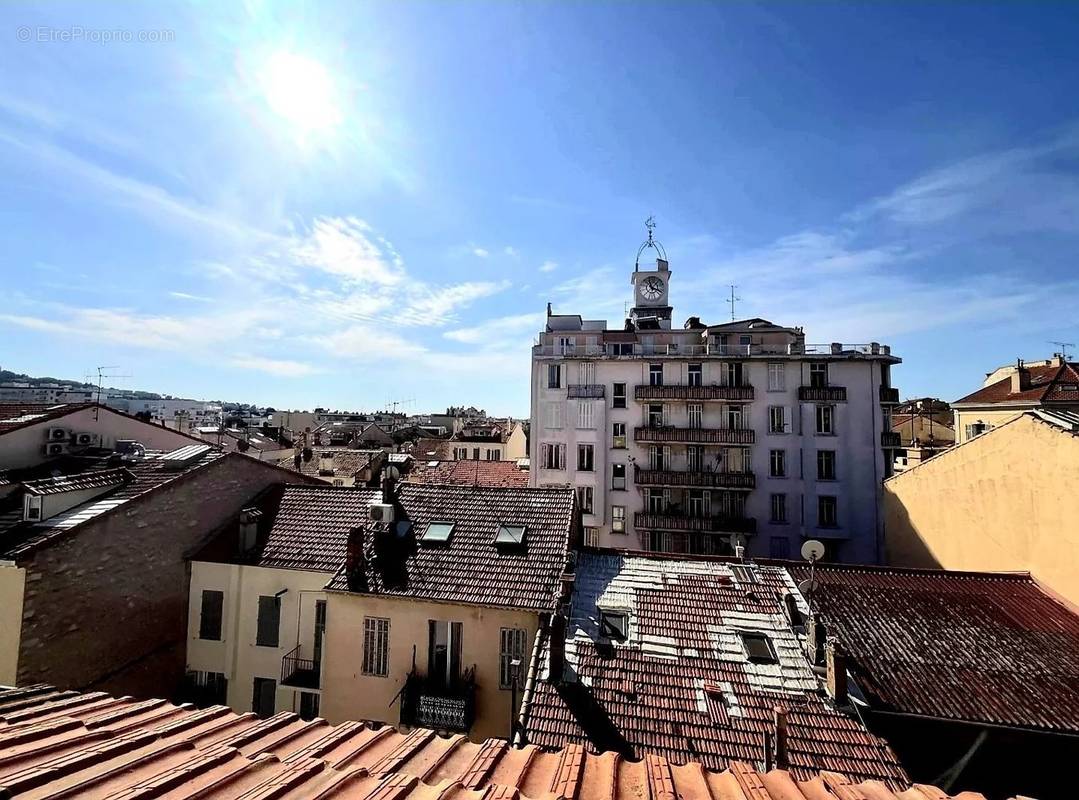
210,622
269,621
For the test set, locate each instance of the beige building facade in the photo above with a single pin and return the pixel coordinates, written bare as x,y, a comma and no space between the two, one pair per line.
1002,501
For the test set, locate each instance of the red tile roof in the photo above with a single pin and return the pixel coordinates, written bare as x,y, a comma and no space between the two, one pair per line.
432,450
346,462
681,686
1047,384
470,568
477,473
94,746
18,415
981,647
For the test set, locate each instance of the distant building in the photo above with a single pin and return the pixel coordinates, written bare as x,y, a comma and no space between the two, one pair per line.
965,674
308,603
489,440
265,444
925,427
92,559
1004,500
340,466
695,660
1009,391
680,439
470,473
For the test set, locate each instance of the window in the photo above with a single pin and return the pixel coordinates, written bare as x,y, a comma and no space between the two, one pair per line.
618,476
734,373
618,396
584,414
264,697
826,512
655,374
696,414
554,376
591,536
657,500
444,650
759,648
698,503
269,621
777,377
744,573
818,374
437,533
511,648
210,688
460,453
585,497
210,619
511,535
618,519
745,340
777,419
613,625
618,435
696,374
320,630
553,455
779,547
694,458
338,481
376,646
777,464
588,372
566,345
308,705
494,454
554,415
620,348
476,450
585,457
659,457
779,509
656,417
825,420
826,465
735,417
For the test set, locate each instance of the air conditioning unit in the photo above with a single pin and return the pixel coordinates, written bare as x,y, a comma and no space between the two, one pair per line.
85,439
57,434
381,512
55,449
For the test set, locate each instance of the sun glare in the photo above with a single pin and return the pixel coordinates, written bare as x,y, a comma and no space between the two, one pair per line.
302,92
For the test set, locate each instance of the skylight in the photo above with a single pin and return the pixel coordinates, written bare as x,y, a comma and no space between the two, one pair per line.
438,532
743,573
613,625
510,535
759,648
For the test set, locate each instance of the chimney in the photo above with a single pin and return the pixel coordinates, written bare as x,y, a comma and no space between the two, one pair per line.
836,671
662,265
548,309
388,484
1020,378
815,636
354,572
557,666
781,737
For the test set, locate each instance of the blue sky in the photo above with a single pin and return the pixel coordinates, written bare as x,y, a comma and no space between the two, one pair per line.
343,205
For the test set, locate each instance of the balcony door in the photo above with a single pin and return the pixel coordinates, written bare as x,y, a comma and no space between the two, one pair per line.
320,631
444,652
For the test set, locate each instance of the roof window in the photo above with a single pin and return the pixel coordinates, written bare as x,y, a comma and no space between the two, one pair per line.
510,535
743,573
438,532
614,625
759,648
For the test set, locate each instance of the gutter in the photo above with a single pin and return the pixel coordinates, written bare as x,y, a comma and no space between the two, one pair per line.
972,723
530,682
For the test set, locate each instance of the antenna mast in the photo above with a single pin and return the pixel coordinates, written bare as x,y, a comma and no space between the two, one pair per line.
1063,348
101,375
732,300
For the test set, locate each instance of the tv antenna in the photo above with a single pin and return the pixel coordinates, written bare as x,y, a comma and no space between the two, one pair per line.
101,375
1063,348
732,300
812,551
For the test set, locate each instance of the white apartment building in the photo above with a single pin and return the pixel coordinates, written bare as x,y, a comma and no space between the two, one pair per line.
681,440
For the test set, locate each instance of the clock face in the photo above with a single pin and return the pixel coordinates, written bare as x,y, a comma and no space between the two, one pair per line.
651,288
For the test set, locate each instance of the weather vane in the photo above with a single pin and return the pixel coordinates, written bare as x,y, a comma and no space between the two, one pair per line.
650,225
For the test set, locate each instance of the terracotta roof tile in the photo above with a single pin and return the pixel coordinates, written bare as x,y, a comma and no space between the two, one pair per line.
346,461
980,647
680,686
19,415
59,743
477,473
1047,384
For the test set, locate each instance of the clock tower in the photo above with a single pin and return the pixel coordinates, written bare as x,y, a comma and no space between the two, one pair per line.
651,301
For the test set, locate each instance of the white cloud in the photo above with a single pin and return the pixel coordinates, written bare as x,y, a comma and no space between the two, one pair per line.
282,368
480,252
510,251
548,266
342,247
195,298
493,330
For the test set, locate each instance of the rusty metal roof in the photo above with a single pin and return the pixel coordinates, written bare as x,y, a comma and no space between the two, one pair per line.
982,647
55,744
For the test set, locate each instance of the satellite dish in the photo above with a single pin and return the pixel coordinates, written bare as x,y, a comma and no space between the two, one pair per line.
807,587
393,473
812,550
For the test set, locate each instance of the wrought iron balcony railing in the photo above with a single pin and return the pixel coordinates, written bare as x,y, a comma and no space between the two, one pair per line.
669,434
889,394
891,439
680,521
585,390
694,478
300,672
647,392
428,702
822,394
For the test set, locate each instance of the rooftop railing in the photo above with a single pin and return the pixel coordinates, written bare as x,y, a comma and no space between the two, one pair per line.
542,347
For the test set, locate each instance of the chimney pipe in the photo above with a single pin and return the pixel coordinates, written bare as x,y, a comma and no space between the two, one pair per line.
781,737
816,632
836,671
557,666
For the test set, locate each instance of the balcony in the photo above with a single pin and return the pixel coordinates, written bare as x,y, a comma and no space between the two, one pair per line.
694,479
433,703
300,672
822,394
693,392
891,439
889,394
668,434
585,390
675,521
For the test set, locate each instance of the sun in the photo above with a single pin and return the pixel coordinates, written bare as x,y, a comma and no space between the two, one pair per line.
302,92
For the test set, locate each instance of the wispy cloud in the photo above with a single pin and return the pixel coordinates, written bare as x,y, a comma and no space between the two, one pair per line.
480,252
281,368
548,266
194,298
510,251
496,329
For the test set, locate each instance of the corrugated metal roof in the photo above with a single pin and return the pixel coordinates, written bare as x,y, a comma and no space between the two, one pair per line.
78,482
982,647
55,744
